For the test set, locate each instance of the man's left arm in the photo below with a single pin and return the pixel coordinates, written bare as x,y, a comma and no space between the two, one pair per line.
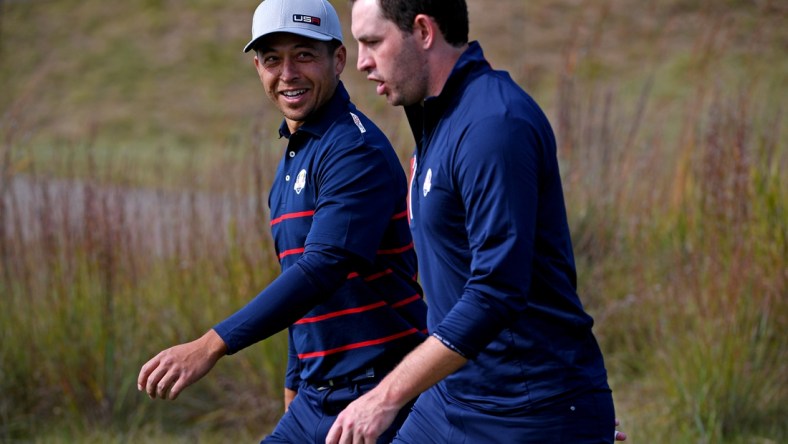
369,416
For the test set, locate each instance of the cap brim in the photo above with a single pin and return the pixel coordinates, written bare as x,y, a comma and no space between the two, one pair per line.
298,31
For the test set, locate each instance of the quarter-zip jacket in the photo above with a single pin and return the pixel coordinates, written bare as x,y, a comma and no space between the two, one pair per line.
490,228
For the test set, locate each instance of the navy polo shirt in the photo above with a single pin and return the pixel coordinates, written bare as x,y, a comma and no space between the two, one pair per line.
348,288
492,237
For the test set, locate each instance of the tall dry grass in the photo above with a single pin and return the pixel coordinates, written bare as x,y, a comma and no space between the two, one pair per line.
682,238
98,275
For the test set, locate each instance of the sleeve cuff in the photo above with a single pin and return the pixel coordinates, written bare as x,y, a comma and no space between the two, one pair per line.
449,345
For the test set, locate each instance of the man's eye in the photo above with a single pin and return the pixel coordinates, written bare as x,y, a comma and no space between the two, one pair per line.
305,56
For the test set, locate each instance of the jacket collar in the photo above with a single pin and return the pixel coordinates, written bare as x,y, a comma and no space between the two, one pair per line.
470,65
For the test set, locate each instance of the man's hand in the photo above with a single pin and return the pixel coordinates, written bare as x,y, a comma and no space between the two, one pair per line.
289,396
176,368
362,421
366,418
620,436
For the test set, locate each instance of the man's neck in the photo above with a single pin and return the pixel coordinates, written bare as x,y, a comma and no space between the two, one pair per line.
442,62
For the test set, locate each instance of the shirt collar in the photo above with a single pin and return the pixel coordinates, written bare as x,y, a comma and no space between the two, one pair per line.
319,122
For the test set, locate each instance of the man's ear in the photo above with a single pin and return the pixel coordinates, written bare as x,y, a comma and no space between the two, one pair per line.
426,30
258,65
340,59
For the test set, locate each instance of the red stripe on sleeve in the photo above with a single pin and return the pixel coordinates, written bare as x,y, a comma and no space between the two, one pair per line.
292,216
397,250
341,313
372,277
407,301
363,344
289,252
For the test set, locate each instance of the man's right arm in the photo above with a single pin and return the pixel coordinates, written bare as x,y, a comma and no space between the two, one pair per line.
316,274
370,415
289,297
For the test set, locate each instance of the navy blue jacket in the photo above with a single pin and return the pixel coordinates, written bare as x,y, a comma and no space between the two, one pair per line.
495,254
348,286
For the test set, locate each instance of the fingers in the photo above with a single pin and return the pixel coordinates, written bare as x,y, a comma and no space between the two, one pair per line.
149,377
338,435
166,385
154,386
350,435
176,389
334,433
619,436
145,371
159,380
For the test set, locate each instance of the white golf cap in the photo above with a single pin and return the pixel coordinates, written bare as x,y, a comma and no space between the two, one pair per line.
315,19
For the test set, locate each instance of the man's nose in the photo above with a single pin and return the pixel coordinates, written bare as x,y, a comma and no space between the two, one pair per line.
289,70
364,62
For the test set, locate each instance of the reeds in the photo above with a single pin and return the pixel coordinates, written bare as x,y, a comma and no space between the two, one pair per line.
99,275
681,242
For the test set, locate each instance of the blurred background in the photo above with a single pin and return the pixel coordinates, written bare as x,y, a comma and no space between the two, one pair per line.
137,149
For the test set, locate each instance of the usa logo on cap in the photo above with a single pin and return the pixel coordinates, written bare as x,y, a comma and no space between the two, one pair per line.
301,18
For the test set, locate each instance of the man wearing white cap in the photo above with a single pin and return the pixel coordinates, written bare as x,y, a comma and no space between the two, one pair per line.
348,292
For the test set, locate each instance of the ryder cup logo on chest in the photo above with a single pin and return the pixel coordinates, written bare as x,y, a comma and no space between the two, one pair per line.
300,182
427,182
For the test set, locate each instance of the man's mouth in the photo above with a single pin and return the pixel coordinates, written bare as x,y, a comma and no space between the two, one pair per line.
293,93
380,89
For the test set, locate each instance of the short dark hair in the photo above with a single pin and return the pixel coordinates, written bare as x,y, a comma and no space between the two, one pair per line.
451,16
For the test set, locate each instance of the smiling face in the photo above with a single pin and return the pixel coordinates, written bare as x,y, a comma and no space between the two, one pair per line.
299,74
390,57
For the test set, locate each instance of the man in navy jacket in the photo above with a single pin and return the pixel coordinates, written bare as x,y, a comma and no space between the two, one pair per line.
348,291
511,356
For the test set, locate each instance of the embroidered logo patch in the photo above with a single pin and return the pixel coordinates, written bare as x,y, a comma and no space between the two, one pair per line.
357,121
300,18
427,182
300,182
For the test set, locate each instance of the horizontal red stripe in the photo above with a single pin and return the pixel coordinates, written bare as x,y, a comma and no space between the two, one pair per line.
397,250
363,344
402,215
292,216
407,301
371,277
341,313
349,311
289,252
